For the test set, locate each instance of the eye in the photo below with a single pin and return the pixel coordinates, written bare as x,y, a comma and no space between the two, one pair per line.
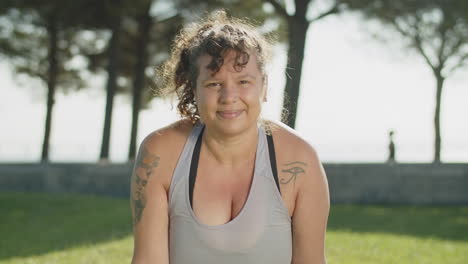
294,170
213,85
244,82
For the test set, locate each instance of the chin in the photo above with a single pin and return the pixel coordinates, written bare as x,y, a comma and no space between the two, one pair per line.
232,126
235,128
231,129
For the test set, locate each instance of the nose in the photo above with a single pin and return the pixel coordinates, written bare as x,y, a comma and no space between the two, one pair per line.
229,93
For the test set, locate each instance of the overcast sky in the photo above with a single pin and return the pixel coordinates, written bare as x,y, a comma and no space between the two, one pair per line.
354,89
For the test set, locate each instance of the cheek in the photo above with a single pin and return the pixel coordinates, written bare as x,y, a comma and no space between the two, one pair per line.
206,101
206,97
253,96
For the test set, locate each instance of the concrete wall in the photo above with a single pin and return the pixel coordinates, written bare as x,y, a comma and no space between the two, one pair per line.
349,183
398,183
113,180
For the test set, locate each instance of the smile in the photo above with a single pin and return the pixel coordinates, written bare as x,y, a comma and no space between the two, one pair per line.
229,114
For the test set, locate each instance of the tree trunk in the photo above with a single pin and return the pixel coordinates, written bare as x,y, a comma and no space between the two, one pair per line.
112,71
297,33
437,144
144,26
52,31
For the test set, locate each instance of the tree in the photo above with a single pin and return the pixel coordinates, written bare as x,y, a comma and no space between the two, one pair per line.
297,26
144,42
113,64
145,23
437,30
110,16
154,33
38,40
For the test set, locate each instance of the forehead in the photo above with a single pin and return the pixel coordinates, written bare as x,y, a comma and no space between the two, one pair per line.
228,66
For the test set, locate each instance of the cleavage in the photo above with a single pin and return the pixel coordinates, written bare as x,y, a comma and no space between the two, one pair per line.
218,198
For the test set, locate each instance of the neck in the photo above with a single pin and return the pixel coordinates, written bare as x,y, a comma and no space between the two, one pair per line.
233,151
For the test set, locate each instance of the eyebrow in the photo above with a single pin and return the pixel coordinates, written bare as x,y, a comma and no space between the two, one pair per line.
294,163
210,80
246,75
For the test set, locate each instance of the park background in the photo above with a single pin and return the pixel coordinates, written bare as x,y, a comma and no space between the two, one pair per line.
356,86
355,90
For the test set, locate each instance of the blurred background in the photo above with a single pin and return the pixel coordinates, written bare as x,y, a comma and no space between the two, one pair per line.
379,88
77,82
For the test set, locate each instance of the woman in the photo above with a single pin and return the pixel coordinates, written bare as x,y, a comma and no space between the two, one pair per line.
220,185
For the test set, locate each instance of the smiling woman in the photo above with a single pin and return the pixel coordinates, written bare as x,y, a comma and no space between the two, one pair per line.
231,98
221,185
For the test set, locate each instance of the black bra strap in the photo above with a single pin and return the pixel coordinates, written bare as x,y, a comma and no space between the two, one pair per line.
196,157
271,150
194,165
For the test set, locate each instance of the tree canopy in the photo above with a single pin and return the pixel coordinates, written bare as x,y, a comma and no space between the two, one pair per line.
437,30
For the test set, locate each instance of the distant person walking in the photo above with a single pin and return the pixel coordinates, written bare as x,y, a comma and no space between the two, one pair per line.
391,148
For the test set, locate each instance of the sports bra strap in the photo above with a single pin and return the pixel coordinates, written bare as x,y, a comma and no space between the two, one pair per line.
196,157
271,150
194,165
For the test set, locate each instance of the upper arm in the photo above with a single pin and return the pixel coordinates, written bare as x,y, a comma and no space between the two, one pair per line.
148,201
311,211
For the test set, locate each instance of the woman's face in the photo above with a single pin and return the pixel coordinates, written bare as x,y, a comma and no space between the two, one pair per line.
229,101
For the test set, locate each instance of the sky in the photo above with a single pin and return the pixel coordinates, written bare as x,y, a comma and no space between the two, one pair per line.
354,89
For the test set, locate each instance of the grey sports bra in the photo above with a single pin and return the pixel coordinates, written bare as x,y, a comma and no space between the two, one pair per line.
260,233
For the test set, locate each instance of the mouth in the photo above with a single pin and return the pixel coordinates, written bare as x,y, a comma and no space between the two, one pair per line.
229,114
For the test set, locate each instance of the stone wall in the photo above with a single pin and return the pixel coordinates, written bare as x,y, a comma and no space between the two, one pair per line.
398,183
113,180
373,183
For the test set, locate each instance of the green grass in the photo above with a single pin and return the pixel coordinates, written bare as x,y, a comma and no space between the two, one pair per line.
75,229
397,234
40,228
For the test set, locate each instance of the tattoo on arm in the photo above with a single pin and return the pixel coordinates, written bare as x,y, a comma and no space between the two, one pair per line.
145,162
293,169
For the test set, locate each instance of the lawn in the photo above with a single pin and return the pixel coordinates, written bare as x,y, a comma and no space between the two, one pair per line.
75,229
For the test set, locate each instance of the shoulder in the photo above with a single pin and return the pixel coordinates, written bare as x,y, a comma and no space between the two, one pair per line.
291,143
164,145
299,167
162,137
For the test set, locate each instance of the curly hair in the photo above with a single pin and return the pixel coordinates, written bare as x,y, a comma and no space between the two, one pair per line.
215,36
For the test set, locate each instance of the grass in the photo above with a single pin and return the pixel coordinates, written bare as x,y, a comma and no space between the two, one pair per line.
40,228
397,234
75,229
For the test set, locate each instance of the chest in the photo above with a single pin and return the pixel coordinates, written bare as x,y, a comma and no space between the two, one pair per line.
219,195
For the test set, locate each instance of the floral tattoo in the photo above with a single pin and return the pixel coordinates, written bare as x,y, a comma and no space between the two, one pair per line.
144,165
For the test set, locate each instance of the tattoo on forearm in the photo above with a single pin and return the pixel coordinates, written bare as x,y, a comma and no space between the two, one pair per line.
147,162
294,169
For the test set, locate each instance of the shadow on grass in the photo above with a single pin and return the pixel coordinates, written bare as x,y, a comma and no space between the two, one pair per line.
33,224
447,223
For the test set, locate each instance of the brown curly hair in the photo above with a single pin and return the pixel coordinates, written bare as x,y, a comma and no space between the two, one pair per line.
215,36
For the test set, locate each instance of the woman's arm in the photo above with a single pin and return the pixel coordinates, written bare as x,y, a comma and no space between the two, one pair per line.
311,211
148,200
